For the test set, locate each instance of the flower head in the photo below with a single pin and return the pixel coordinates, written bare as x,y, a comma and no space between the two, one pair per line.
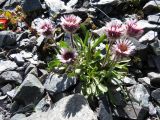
114,29
67,56
70,23
132,29
123,48
45,28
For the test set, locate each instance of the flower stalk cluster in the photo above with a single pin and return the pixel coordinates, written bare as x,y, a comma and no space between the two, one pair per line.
94,60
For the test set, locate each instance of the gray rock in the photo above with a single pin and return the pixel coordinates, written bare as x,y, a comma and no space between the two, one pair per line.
149,36
151,7
145,80
148,26
27,43
6,88
26,54
7,38
44,104
11,76
30,91
7,65
156,95
22,36
2,2
139,46
18,117
29,6
154,19
158,111
103,2
40,40
12,93
73,107
104,110
156,47
135,112
56,6
152,109
155,78
11,4
18,58
156,60
58,83
29,68
129,81
153,75
140,94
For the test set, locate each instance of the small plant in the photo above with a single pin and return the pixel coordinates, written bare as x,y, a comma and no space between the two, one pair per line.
95,61
12,17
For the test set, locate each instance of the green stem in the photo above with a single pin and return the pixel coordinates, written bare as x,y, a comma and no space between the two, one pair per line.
72,41
107,54
57,50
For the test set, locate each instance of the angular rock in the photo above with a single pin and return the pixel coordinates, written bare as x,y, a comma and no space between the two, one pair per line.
147,26
6,88
73,107
104,110
12,93
7,65
11,76
140,94
27,43
156,60
156,95
103,2
30,91
30,6
145,80
11,4
154,19
59,83
22,36
156,47
18,117
136,113
26,54
18,58
7,38
149,36
56,6
129,81
40,40
139,46
44,104
155,78
152,109
151,7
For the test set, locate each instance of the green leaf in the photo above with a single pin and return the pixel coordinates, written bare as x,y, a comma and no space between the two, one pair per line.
93,88
1,26
53,64
79,40
63,44
86,38
100,40
102,88
83,28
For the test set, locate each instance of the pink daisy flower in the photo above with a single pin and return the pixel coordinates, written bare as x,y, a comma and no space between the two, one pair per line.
132,29
67,56
70,23
45,28
114,29
123,48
